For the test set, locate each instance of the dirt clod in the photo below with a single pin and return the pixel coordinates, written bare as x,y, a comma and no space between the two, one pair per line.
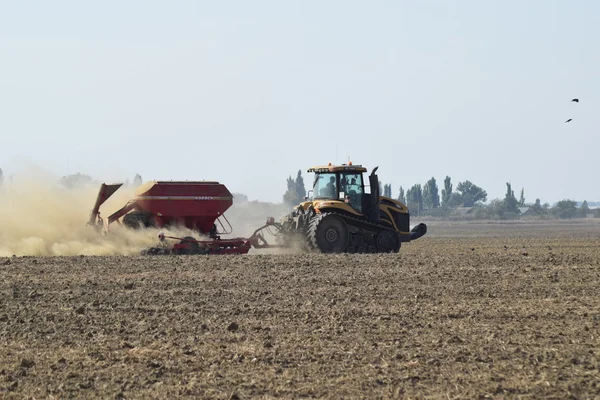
232,327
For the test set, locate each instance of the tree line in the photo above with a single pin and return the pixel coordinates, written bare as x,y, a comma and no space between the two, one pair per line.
429,200
426,200
422,200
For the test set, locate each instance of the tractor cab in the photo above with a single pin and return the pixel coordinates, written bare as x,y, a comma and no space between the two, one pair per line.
343,183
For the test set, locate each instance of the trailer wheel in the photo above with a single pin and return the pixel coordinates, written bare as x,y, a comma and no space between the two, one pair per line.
136,220
193,247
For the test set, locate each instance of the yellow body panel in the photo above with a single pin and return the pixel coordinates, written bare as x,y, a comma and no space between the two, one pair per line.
328,205
384,208
324,205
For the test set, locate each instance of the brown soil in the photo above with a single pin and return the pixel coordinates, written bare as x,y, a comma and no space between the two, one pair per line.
492,312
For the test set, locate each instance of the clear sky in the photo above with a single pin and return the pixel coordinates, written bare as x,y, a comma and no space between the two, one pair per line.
248,92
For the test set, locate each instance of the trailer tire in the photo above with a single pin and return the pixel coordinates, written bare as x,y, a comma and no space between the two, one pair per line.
136,220
193,245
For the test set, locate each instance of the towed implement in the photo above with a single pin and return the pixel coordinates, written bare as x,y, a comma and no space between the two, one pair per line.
197,205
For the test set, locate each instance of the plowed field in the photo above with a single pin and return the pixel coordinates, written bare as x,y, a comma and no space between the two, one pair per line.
468,311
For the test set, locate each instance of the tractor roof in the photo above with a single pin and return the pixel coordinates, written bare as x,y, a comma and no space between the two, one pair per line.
337,168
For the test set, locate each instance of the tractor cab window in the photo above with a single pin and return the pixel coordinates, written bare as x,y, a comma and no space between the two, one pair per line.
325,186
352,186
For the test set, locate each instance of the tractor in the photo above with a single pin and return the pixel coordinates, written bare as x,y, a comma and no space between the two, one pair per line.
342,216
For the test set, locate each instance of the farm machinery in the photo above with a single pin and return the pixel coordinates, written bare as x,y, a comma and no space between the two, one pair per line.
196,205
341,216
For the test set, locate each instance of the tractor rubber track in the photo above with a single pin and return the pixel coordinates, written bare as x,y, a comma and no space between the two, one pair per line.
368,229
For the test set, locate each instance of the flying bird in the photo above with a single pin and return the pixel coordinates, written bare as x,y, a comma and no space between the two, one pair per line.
575,100
569,120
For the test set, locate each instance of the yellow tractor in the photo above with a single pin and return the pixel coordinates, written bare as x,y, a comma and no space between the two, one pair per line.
340,215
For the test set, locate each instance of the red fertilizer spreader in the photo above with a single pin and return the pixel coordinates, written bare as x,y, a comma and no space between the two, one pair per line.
196,205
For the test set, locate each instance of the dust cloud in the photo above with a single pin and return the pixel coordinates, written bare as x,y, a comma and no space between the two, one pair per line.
39,217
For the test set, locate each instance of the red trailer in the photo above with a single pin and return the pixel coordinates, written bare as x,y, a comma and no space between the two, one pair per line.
196,205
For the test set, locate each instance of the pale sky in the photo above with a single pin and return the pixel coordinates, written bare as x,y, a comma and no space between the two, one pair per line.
248,92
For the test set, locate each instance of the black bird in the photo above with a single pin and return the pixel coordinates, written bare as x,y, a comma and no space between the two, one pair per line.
569,120
575,100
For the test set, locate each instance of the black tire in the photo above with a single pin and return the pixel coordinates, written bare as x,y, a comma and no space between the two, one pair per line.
155,251
388,242
193,246
328,233
136,220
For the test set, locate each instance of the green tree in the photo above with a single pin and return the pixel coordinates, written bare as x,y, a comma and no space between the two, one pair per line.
456,200
137,180
426,197
470,193
584,210
401,197
299,185
510,201
522,199
1,177
290,196
565,209
295,190
414,198
537,206
387,190
495,209
447,193
431,197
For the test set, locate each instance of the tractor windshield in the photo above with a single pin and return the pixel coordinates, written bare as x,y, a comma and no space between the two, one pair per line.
325,186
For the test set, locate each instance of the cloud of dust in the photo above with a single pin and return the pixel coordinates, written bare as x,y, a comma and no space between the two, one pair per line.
39,217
